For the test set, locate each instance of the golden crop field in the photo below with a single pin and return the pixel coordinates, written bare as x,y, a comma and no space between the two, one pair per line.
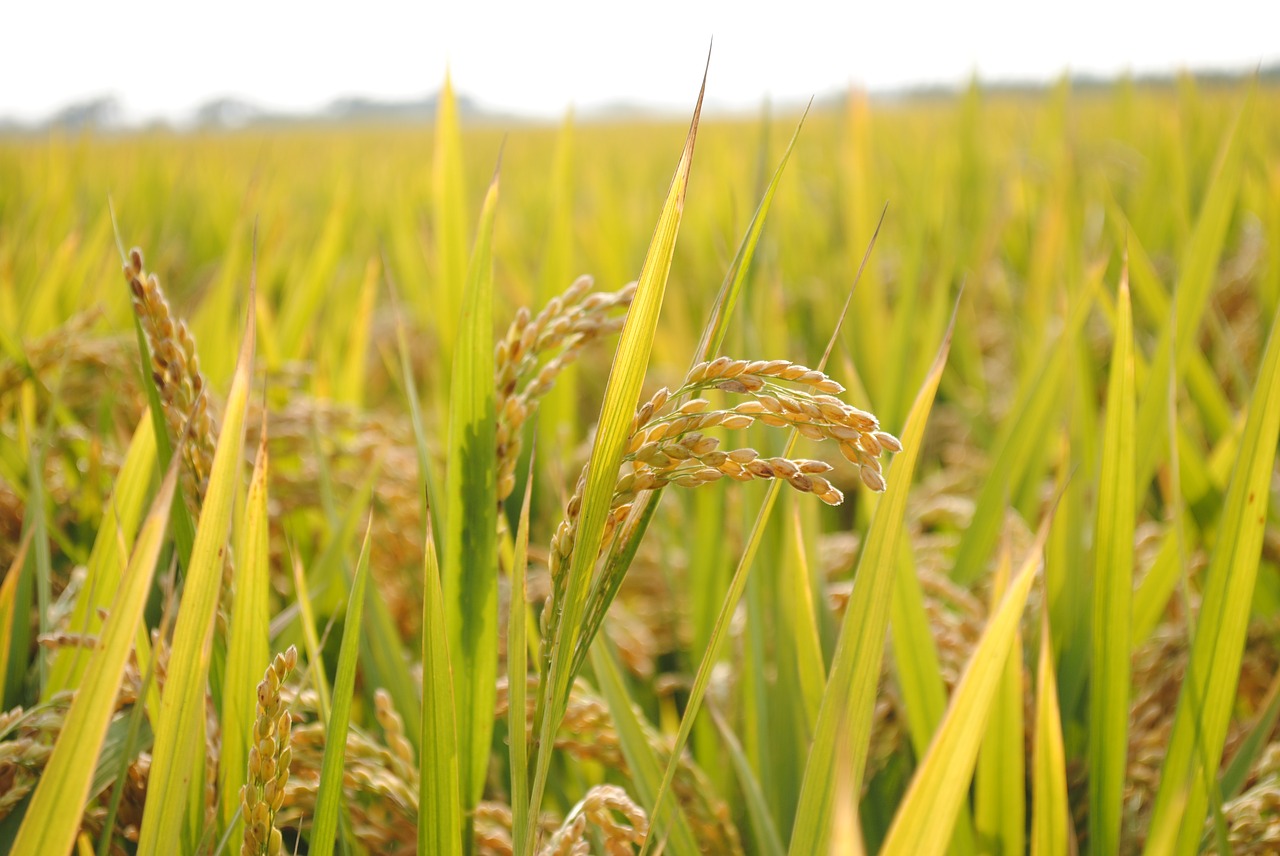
739,547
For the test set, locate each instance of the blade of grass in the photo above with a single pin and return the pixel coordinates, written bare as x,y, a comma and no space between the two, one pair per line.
738,583
1023,430
1050,813
328,810
54,815
311,639
1208,694
1000,781
643,764
848,701
1233,779
248,642
919,672
182,702
1199,265
439,801
927,813
1113,592
109,555
469,571
763,830
449,220
11,671
622,393
518,673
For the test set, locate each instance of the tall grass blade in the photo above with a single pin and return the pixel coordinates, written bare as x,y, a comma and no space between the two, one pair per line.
439,800
848,701
11,670
738,583
469,575
53,818
764,831
1000,781
329,809
248,643
927,813
518,675
107,560
1050,813
735,277
1113,592
1018,443
622,393
643,764
1207,696
183,698
449,218
1199,265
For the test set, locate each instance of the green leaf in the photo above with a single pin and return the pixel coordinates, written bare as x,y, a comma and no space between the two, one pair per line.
53,817
107,560
248,645
1208,693
849,700
183,701
470,571
449,220
1000,782
329,808
1050,815
439,800
927,813
622,393
643,764
518,676
1191,294
1018,443
1113,593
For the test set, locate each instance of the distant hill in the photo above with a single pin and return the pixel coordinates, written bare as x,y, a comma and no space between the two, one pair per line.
106,114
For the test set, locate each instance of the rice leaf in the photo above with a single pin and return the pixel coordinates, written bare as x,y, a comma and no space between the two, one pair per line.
1233,779
328,810
449,221
469,576
1000,781
849,698
919,672
1018,443
1208,693
1198,268
643,764
927,813
311,640
763,830
1113,593
54,815
439,800
8,609
247,643
109,555
622,393
518,675
735,277
1050,813
174,758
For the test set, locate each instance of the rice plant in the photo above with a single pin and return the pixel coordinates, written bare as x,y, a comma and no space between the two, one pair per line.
749,517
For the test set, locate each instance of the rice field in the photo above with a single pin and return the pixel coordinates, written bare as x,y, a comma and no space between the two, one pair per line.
896,478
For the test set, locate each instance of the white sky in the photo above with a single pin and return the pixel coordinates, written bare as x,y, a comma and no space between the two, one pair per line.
166,58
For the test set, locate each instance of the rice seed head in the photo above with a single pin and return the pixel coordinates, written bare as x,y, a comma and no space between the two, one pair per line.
536,350
270,758
176,371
